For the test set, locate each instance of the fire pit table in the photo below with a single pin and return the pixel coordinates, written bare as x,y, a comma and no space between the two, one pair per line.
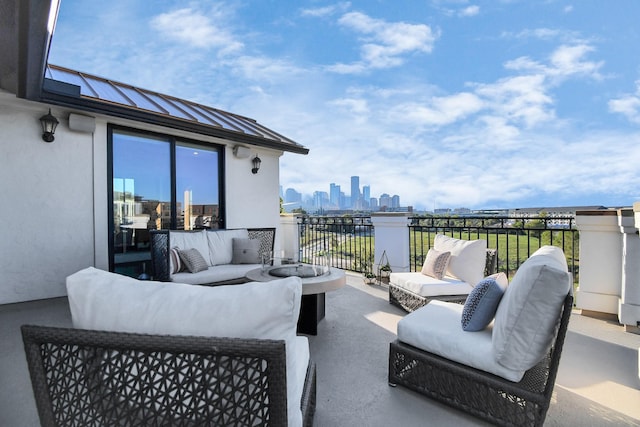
316,281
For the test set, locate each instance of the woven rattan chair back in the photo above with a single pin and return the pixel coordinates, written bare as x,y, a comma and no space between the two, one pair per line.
98,378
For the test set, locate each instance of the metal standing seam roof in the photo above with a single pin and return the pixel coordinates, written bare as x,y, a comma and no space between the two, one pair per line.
131,97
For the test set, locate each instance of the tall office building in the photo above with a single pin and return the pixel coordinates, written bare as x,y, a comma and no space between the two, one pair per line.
385,201
395,201
334,195
373,204
320,200
292,196
355,192
366,195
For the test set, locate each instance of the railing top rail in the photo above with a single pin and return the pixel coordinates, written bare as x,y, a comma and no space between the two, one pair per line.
348,220
492,222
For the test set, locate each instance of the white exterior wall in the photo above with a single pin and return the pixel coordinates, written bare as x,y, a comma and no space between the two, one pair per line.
53,197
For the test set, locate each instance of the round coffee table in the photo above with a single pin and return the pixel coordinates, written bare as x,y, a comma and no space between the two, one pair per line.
314,287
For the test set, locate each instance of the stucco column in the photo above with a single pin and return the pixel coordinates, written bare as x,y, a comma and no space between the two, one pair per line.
600,262
629,305
289,239
392,236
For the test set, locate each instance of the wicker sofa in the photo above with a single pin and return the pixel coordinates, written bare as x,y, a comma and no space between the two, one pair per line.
229,254
150,353
505,372
470,261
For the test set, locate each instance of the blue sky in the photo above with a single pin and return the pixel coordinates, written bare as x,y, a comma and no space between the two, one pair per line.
490,104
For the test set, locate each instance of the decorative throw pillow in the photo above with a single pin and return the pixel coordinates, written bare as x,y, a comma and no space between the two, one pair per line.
435,264
176,264
468,257
192,260
246,251
482,302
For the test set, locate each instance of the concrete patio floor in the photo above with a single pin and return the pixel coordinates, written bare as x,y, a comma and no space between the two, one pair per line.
597,384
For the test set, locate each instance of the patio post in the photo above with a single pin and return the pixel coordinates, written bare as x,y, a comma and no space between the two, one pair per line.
600,262
392,237
629,306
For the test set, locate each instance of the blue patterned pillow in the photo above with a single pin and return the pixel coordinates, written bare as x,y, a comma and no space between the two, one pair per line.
482,302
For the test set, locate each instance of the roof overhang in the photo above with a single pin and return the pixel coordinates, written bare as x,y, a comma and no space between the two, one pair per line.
26,28
115,110
26,31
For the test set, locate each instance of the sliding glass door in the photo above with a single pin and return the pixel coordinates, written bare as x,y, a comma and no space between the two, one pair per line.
158,182
197,186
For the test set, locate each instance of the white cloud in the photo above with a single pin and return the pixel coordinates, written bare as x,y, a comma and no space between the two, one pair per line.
628,105
352,105
469,11
320,12
384,44
196,29
439,111
569,60
521,100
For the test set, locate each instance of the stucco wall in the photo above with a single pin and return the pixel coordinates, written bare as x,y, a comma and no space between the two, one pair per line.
53,197
46,191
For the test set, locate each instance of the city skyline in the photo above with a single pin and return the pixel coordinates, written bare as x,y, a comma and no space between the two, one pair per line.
456,103
336,199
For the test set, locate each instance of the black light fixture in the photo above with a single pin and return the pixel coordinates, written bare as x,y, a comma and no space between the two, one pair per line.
49,124
256,164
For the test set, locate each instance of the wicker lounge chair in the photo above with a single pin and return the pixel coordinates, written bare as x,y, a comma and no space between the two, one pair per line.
496,358
482,394
410,301
83,377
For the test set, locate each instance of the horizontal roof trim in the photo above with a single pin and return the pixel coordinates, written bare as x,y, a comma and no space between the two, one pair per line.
105,96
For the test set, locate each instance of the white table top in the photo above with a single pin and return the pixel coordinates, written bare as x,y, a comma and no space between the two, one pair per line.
335,279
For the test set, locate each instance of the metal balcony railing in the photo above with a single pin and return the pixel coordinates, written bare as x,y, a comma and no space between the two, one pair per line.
514,238
347,242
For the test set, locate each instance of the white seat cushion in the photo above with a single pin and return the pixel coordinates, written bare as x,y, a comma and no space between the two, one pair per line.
428,286
100,300
216,273
436,328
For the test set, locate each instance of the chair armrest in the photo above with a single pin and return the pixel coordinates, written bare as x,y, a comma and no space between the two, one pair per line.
160,259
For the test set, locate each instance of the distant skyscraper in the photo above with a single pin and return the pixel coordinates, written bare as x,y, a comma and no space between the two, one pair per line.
334,195
320,199
385,201
366,195
355,191
292,196
395,201
373,204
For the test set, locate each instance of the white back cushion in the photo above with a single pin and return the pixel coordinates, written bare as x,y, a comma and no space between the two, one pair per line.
108,301
191,239
221,244
526,319
468,257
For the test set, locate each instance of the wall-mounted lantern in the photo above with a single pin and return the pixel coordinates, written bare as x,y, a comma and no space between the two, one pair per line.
256,164
49,124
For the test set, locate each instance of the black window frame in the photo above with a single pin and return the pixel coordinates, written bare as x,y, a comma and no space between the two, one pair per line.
173,141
